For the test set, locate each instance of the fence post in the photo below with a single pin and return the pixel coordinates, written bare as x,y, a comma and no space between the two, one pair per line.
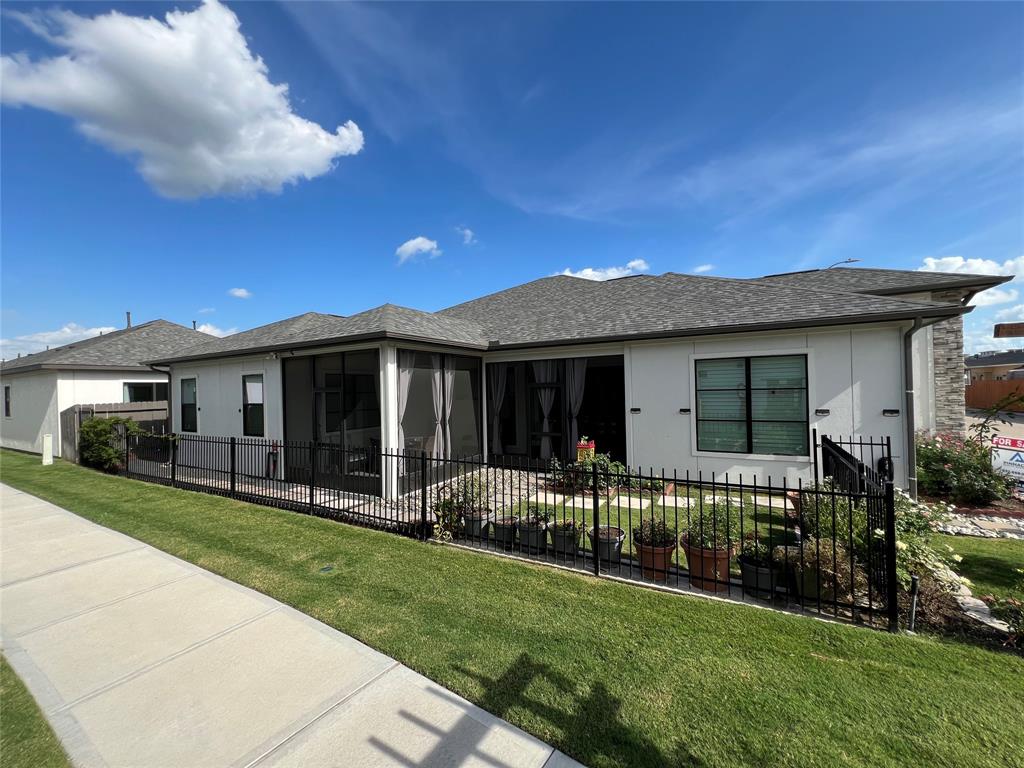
124,431
312,475
595,548
174,460
423,495
891,584
815,447
234,474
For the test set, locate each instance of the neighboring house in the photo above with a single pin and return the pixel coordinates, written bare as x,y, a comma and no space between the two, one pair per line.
994,366
104,369
675,372
938,349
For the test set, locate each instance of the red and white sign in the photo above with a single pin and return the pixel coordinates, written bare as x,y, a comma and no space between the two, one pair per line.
1008,442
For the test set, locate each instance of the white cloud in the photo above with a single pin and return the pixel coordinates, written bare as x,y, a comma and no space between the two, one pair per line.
240,293
37,342
1011,314
184,97
974,266
412,248
213,330
206,310
608,273
468,235
700,269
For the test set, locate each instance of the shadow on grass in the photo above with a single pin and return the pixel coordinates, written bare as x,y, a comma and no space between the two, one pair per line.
592,732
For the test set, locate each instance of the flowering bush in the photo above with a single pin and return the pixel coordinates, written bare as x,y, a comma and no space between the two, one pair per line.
915,553
951,467
715,525
1010,610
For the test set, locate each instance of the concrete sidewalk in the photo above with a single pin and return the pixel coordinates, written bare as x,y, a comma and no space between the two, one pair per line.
140,659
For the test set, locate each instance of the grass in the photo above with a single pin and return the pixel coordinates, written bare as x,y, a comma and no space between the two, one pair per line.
612,674
26,740
990,564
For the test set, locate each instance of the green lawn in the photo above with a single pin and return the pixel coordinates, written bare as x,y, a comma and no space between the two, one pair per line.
26,740
611,674
989,563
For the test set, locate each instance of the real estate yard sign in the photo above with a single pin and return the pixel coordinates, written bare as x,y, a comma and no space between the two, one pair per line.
1008,457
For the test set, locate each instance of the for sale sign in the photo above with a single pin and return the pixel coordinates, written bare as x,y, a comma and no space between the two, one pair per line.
1008,457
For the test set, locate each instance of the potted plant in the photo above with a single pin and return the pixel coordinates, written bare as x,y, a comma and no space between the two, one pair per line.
533,529
565,536
655,542
757,569
585,449
471,497
708,544
606,541
505,531
823,570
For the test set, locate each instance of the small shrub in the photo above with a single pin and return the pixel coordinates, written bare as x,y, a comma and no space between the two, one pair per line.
467,495
756,552
578,475
535,516
713,526
655,533
449,519
837,569
100,443
951,467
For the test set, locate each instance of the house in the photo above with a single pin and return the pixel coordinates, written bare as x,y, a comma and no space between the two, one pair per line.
676,372
995,366
104,369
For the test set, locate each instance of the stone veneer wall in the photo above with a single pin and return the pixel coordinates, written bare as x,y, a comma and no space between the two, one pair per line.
948,362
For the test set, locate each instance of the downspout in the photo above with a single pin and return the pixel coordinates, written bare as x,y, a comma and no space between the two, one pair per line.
908,421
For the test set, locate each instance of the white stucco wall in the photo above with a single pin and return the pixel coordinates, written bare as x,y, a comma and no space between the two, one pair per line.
33,412
854,373
38,399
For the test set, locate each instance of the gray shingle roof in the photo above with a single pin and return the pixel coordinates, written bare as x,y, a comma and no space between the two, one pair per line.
568,309
128,348
882,282
313,328
1012,357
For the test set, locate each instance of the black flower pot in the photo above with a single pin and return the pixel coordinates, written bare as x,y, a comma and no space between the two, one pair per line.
478,523
533,537
758,580
607,543
504,530
565,540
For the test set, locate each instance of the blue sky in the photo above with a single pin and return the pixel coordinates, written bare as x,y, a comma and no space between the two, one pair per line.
152,163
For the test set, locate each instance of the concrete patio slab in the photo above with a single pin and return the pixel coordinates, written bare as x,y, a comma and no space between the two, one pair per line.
139,660
773,502
559,500
680,502
629,502
408,720
35,603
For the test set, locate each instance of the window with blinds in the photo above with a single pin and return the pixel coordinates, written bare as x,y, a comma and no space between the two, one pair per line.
753,405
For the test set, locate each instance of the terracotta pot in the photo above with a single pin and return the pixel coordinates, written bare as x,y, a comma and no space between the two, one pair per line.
655,561
709,568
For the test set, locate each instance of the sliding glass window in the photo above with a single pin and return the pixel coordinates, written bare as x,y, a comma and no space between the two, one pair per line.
753,405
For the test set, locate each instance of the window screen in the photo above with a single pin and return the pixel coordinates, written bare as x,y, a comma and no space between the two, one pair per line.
189,409
252,405
753,405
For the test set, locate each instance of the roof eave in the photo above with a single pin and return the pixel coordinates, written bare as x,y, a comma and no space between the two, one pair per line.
939,313
313,344
983,282
74,367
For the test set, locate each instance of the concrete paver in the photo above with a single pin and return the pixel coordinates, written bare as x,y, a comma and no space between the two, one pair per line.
140,659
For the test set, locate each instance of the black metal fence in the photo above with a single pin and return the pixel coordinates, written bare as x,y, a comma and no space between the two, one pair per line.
826,546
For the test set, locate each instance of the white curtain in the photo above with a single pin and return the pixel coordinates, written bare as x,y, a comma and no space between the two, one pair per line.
438,392
498,378
449,399
544,372
406,363
576,377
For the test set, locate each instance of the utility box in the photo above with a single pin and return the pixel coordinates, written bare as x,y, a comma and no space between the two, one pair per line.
47,450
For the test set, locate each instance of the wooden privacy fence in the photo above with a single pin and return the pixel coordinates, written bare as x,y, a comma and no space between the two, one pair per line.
985,394
152,417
